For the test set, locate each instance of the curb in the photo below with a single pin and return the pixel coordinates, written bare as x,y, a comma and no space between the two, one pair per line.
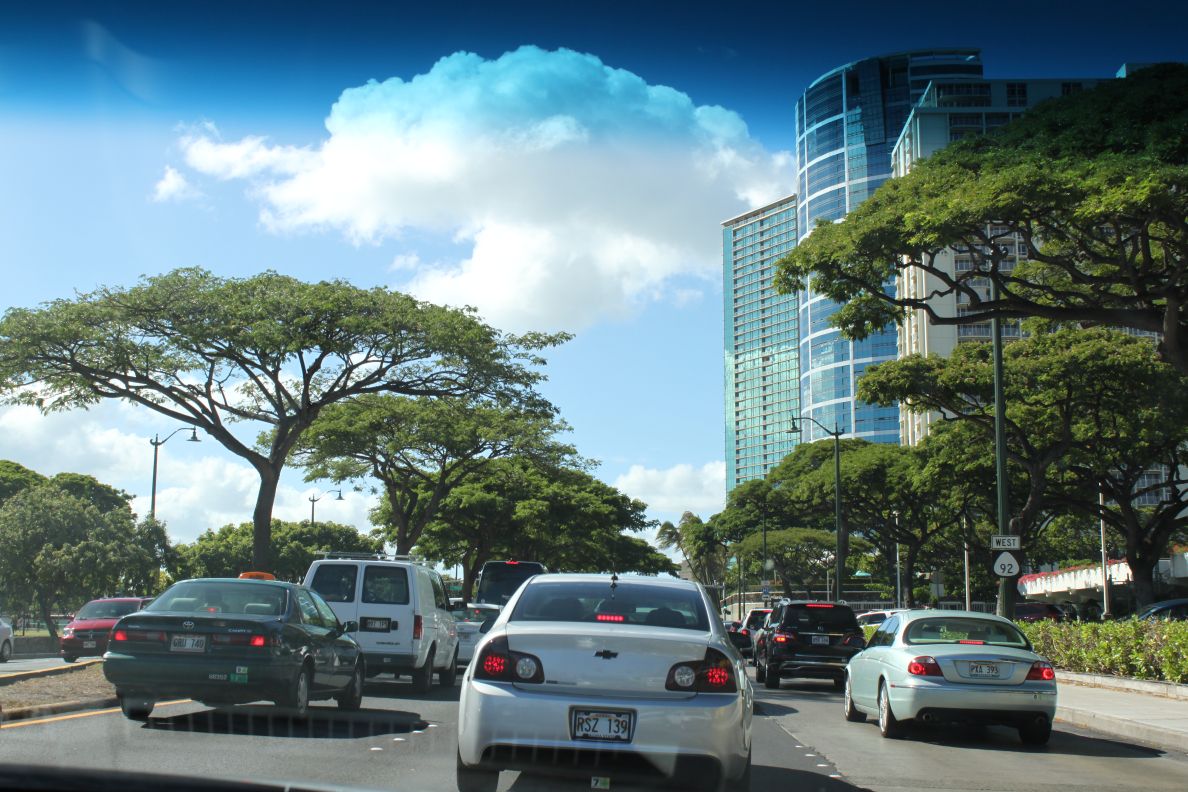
1170,690
25,713
20,676
1123,729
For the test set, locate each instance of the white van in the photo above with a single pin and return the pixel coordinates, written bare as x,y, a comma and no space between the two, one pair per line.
405,624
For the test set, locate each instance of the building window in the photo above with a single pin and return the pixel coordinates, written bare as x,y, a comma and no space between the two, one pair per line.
1016,94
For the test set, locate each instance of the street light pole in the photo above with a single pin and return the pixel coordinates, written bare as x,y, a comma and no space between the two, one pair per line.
843,538
1006,586
898,576
313,499
1105,559
156,442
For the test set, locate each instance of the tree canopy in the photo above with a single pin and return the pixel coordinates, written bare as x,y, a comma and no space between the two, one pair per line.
1095,184
269,350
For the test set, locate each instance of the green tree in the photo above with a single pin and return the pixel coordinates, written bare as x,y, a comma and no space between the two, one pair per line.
15,477
800,557
421,448
90,489
1096,186
699,543
227,552
268,349
57,551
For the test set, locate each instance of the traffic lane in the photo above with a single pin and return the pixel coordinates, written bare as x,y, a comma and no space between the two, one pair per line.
964,758
398,740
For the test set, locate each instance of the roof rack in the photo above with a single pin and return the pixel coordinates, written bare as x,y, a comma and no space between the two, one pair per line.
369,556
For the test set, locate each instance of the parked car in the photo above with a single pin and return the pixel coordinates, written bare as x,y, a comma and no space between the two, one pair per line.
227,641
814,640
951,666
876,617
751,623
404,622
1037,611
6,640
86,634
594,675
469,619
1167,610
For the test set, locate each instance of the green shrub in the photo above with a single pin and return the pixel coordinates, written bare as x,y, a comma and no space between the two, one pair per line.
1131,648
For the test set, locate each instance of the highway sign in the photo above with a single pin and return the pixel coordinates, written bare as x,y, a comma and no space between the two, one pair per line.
766,592
1004,542
1008,563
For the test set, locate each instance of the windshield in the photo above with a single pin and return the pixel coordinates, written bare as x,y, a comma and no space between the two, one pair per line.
106,610
626,603
215,597
951,630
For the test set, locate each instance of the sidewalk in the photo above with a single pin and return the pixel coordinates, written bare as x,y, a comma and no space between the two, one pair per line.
1156,721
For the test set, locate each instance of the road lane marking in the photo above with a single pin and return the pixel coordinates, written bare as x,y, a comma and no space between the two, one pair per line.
74,715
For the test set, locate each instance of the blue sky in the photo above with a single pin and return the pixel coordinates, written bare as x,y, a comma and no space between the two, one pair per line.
560,169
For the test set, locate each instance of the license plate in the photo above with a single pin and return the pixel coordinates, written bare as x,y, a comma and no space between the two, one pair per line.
820,640
188,643
376,624
602,725
983,670
88,644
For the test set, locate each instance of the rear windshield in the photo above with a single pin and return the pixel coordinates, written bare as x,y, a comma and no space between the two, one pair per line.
756,619
106,610
476,613
951,629
820,618
335,582
626,603
216,596
500,579
385,585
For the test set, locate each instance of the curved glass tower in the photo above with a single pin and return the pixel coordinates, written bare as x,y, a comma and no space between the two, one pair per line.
847,123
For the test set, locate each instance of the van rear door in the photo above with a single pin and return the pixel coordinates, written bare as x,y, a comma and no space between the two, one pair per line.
385,609
338,583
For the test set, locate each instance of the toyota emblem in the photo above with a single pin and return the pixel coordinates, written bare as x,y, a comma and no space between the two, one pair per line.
189,625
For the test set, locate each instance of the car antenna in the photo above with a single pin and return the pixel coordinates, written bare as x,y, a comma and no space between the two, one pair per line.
614,584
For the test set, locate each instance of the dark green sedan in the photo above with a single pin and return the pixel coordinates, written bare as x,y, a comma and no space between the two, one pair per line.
227,641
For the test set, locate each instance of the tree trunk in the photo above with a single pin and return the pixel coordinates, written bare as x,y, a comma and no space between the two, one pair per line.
1142,573
262,518
43,603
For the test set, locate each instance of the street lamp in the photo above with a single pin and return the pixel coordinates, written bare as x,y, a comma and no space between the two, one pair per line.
843,538
313,499
156,442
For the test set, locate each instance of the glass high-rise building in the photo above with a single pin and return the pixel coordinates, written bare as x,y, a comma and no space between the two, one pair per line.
847,123
760,340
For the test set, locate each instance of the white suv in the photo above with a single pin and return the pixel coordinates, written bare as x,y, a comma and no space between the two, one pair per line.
405,624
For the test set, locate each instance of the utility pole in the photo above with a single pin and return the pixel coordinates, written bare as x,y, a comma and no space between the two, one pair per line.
1006,586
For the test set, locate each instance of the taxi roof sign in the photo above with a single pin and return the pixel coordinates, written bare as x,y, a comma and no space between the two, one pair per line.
258,575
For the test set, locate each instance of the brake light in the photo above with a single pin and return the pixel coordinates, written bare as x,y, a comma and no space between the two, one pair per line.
712,674
119,635
744,631
924,666
497,663
257,640
976,643
511,563
610,617
137,635
1041,672
818,605
418,627
780,638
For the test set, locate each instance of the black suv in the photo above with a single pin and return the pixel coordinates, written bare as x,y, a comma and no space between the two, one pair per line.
808,639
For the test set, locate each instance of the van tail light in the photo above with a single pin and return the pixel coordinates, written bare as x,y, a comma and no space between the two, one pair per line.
418,627
712,674
1041,672
497,663
924,665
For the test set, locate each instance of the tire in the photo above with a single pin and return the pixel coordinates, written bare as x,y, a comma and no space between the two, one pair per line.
473,779
889,727
853,714
760,672
5,652
351,699
295,702
1036,732
69,658
448,676
422,678
771,677
743,782
136,708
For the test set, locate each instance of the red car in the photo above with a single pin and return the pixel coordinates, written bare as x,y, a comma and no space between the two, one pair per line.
1037,611
86,634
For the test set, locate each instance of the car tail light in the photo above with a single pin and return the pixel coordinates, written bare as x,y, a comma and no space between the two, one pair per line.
744,631
497,663
610,617
1041,671
138,635
924,666
119,635
258,640
418,627
712,674
975,643
818,605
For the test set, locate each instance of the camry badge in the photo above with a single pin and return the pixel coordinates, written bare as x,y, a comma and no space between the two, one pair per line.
189,625
606,654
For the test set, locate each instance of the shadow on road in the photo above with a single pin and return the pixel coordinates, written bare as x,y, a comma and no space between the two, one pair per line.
389,688
762,777
773,708
264,721
1005,739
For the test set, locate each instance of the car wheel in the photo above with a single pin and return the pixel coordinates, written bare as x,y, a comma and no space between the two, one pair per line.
474,779
771,677
1036,732
69,658
5,652
296,700
422,678
760,672
448,676
888,726
853,714
352,698
136,708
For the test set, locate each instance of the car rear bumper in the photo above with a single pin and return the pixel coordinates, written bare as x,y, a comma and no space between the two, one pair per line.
811,668
948,701
221,679
75,647
503,727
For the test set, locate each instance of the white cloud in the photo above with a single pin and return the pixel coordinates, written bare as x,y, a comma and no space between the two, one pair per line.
669,492
582,191
173,186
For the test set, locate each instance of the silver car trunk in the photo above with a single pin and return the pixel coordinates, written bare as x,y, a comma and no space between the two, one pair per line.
976,664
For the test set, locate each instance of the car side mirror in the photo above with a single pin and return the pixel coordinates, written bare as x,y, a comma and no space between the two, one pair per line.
487,624
350,626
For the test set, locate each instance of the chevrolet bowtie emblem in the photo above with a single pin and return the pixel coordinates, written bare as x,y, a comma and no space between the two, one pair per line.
606,654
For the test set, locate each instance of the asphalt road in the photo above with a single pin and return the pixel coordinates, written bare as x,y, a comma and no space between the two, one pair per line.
407,742
17,665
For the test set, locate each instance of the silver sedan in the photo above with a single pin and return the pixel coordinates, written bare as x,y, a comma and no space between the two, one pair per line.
605,678
951,666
